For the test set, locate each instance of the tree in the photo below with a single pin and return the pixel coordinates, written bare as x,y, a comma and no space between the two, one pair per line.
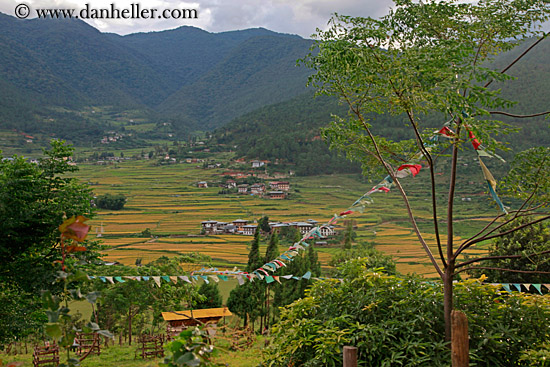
301,264
122,302
425,62
211,294
245,299
263,224
34,198
110,201
272,250
372,259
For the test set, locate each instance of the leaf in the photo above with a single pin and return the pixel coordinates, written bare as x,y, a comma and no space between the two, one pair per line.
188,359
93,326
54,330
106,333
92,296
53,316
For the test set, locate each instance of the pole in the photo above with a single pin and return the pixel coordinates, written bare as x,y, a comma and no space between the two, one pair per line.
459,340
350,356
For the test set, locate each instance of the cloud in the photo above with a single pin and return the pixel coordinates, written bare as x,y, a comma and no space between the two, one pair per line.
300,17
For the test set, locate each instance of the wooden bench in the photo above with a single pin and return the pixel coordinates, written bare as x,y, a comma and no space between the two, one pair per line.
46,356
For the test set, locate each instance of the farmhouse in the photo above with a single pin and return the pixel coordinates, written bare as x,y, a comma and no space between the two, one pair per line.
249,229
303,227
280,185
239,224
209,226
327,231
257,189
202,184
276,195
243,189
257,164
242,226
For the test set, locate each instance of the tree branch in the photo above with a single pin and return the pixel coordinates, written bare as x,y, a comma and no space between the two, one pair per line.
518,116
518,58
508,231
500,258
503,269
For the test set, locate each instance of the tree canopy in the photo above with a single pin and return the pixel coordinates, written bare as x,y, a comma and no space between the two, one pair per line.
34,199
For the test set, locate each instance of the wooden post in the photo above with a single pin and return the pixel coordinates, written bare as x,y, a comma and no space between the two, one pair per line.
459,340
350,356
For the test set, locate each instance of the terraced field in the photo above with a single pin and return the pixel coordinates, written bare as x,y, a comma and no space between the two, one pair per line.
165,200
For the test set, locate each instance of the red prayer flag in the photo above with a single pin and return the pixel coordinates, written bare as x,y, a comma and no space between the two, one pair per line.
414,168
475,142
446,131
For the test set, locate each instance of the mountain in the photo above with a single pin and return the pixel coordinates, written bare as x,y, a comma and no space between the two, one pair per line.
194,78
53,70
289,130
260,71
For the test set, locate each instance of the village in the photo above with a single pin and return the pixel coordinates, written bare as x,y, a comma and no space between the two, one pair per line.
279,189
248,228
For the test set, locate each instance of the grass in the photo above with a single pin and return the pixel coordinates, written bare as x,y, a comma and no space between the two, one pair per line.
124,355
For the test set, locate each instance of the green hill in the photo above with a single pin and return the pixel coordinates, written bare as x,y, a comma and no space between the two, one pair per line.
53,71
192,78
287,130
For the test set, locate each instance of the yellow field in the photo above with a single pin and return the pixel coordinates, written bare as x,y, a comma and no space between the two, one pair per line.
165,199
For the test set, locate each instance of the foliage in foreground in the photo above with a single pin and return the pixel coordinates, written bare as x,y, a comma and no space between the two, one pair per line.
191,348
399,322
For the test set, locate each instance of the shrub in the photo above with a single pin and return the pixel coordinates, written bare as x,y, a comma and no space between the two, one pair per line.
111,202
399,322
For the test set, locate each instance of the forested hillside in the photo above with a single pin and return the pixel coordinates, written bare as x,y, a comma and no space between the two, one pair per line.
187,79
195,79
290,130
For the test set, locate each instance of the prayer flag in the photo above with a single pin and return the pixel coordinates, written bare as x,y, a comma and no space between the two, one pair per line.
184,278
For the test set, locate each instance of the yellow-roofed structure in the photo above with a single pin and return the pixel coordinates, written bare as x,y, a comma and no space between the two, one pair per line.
195,317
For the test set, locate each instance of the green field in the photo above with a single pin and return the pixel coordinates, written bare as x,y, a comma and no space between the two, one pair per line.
165,200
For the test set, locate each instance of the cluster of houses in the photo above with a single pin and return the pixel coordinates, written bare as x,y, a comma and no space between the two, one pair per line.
245,227
113,137
278,189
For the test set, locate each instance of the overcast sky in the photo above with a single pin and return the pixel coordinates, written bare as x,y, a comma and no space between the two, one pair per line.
300,17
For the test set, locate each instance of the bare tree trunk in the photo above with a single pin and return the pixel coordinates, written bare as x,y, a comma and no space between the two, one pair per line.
448,298
130,326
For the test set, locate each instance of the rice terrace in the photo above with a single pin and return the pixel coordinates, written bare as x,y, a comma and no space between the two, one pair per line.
166,200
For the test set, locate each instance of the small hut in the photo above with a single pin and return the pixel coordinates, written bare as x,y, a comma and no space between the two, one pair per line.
179,320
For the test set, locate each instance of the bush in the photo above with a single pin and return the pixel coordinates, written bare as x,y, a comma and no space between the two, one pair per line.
111,202
399,322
